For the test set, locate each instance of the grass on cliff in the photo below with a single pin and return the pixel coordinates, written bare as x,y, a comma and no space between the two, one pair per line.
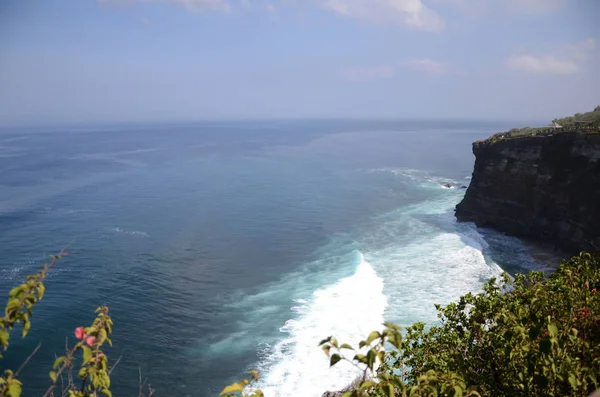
589,122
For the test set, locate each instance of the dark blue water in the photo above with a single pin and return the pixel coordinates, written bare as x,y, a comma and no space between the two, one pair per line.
225,246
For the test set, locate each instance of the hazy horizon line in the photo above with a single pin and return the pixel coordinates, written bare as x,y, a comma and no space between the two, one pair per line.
147,122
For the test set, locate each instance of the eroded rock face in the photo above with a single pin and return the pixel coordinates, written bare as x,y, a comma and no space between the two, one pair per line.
332,394
547,188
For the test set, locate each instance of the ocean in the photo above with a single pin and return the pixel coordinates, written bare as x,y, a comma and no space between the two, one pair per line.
225,246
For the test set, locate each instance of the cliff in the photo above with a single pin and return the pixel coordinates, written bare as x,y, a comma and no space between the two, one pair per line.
543,187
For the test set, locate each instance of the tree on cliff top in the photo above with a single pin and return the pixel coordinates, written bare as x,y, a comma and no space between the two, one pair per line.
588,118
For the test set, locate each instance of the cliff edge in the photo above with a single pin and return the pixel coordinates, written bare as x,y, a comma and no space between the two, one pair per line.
545,187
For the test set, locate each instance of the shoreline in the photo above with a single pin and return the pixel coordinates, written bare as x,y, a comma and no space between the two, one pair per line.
546,254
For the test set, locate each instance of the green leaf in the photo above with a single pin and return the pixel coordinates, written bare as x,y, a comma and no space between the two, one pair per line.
234,388
335,358
14,388
26,327
346,346
325,341
372,336
102,336
458,391
361,358
553,329
107,392
254,373
87,354
12,304
371,354
13,292
573,381
58,361
4,336
389,390
367,385
53,376
41,289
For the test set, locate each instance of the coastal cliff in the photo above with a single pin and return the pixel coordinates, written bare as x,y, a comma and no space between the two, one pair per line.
543,187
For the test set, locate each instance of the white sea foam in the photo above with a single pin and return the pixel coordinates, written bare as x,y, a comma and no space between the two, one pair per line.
74,211
349,309
30,264
432,271
118,230
435,181
425,258
12,273
408,173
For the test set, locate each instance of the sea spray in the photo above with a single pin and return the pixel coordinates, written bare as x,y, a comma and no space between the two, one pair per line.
348,309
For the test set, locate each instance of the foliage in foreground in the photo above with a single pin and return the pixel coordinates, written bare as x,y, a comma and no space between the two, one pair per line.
528,336
93,373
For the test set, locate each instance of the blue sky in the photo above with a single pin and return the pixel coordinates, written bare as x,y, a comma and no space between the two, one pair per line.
72,61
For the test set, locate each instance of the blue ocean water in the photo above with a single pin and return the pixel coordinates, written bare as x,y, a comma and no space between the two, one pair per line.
225,246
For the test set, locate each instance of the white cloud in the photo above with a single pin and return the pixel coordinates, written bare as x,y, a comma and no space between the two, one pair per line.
481,8
567,60
428,66
411,13
191,5
369,73
580,51
547,64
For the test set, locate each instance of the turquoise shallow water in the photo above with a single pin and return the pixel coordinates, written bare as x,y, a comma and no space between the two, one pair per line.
225,246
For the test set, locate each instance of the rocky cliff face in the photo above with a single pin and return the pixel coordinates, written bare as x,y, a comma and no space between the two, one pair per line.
547,188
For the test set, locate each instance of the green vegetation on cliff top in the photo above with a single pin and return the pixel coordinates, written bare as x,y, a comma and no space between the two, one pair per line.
584,122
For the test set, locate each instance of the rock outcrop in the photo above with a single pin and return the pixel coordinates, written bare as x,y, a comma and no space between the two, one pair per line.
546,188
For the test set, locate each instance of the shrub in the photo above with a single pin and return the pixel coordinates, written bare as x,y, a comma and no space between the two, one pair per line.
93,372
527,336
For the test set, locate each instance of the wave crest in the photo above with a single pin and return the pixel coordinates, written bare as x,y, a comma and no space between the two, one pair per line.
348,309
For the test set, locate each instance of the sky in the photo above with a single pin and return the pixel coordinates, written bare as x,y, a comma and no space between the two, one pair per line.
92,61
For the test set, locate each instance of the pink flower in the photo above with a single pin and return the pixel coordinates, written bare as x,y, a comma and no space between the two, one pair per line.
90,340
79,333
593,290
